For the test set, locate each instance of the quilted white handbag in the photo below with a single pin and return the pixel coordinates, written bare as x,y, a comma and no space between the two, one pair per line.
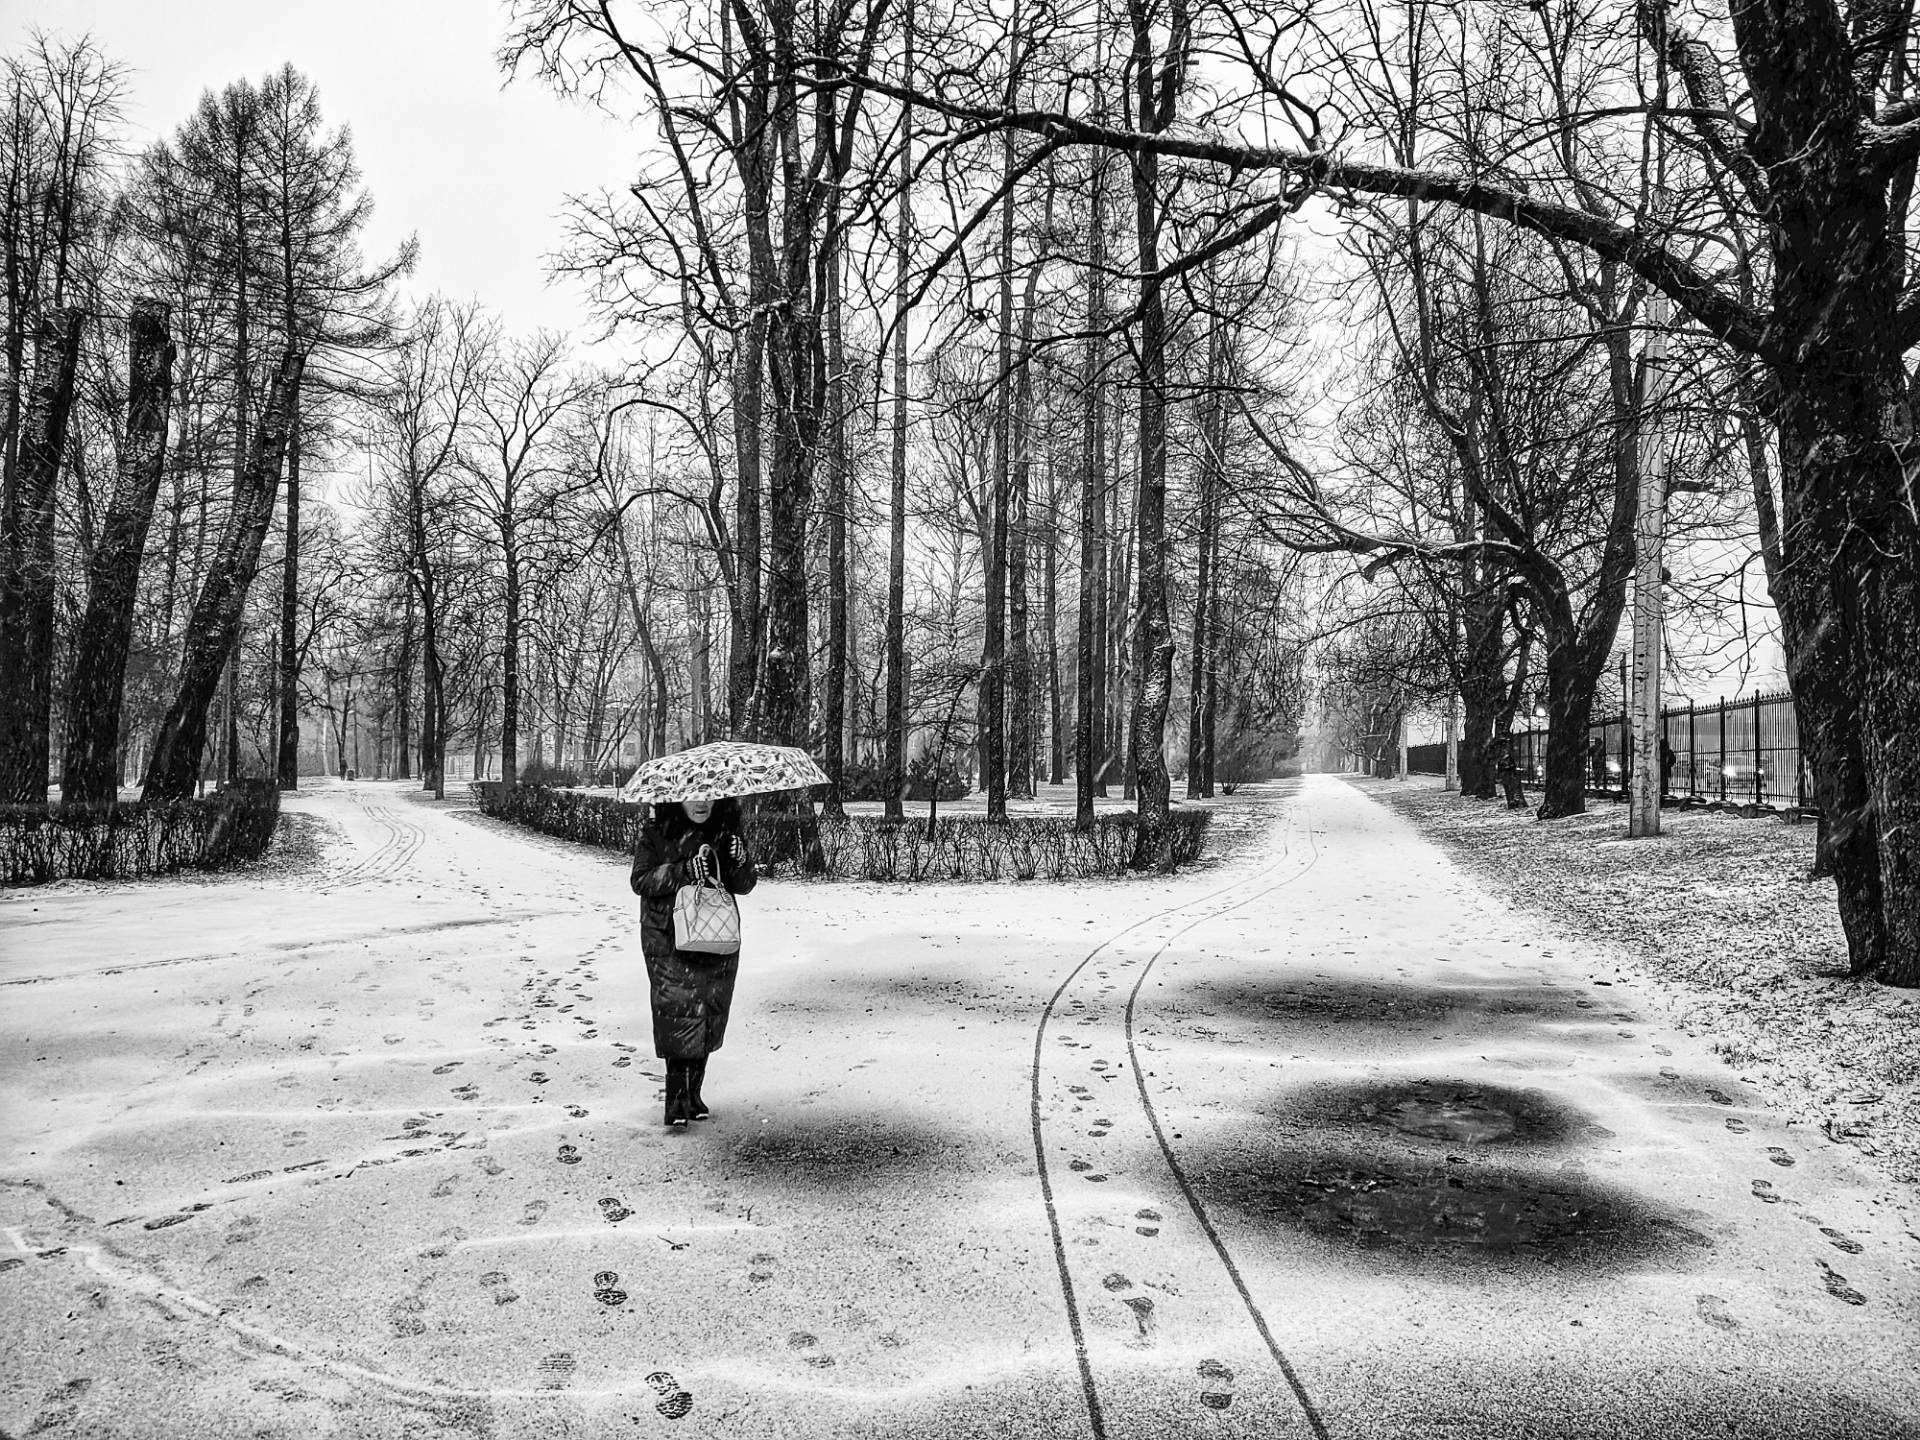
705,919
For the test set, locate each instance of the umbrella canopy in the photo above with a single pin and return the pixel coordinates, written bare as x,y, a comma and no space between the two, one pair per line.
723,768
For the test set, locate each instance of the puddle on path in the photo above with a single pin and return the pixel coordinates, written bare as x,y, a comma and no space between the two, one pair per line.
843,1150
1445,1209
1435,1170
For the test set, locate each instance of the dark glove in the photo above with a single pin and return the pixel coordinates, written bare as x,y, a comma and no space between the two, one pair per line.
700,867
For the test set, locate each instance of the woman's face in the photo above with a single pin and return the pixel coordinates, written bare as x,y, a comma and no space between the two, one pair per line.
697,810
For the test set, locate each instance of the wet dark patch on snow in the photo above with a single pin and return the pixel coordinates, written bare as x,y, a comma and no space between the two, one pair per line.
836,1151
1445,1111
1429,1170
1431,1208
1318,1002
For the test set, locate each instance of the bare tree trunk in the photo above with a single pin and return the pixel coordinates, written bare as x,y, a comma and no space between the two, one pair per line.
896,744
1153,632
215,624
403,693
1050,622
288,759
510,660
1020,710
993,666
1199,761
26,565
92,771
833,700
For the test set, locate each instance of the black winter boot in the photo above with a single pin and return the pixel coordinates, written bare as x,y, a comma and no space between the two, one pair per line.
696,1072
677,1093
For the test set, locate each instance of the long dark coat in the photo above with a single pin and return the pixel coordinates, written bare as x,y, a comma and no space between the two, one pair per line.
691,992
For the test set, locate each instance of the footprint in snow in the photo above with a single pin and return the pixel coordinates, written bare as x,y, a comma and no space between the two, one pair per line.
1841,1241
1738,1127
404,1315
1779,1156
1713,1310
494,1282
606,1288
674,1403
1763,1190
569,1155
1217,1378
1838,1287
613,1210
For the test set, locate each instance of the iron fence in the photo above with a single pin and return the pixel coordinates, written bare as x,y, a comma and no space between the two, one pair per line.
1734,752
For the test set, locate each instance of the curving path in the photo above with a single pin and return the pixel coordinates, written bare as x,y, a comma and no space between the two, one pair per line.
1321,1141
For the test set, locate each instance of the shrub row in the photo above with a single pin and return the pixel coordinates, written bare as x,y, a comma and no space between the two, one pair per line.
126,840
866,847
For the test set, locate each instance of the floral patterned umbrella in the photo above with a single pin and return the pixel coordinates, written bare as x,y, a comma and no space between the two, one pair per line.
723,768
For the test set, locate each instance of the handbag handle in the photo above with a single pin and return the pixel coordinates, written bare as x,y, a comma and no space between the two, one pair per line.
711,866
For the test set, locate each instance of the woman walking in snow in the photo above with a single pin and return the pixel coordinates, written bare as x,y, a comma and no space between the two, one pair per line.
687,842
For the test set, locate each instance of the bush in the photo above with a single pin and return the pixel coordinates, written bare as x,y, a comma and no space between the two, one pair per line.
123,841
861,782
610,777
538,772
865,847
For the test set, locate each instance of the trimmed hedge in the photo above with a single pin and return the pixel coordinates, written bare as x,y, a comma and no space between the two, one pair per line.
131,839
866,847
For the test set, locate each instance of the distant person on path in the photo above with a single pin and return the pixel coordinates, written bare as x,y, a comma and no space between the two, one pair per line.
1511,776
1667,759
1597,754
686,843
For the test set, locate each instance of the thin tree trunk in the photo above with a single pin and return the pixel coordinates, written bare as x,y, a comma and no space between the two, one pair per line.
1199,762
403,692
896,745
510,663
288,763
833,700
1020,709
993,666
1050,621
1153,632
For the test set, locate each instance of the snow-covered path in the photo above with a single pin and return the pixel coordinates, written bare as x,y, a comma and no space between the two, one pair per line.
1320,1140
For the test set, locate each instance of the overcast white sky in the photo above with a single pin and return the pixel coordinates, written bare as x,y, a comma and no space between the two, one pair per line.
476,169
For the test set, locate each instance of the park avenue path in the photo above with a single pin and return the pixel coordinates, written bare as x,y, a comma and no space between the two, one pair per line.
1315,1140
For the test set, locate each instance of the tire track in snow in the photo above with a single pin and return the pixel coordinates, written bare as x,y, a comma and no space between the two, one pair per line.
1119,1329
400,841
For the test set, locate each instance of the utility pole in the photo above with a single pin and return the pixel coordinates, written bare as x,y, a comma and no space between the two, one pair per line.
1643,801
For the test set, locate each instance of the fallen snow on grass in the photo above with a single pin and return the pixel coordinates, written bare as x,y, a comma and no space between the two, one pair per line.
1748,950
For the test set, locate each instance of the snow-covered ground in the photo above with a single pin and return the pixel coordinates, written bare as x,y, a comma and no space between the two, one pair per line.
1746,949
1321,1139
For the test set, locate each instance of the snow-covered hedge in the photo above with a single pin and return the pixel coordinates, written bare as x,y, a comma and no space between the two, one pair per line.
866,847
123,841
